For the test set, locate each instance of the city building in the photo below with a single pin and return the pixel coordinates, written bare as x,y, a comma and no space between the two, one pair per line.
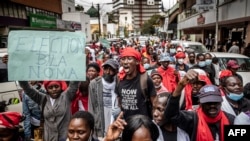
80,22
68,6
135,12
199,20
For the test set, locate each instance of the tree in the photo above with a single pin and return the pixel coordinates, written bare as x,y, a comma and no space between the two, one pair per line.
111,17
79,8
148,26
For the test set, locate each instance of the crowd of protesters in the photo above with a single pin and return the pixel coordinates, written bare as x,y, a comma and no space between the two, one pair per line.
157,92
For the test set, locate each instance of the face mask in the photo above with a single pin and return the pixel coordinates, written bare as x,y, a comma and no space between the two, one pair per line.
172,66
158,86
208,62
235,97
109,78
180,61
202,64
146,66
172,50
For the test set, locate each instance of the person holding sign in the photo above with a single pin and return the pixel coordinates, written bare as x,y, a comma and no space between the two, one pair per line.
55,105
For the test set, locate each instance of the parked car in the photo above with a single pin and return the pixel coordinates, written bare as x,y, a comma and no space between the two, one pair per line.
9,90
190,46
243,61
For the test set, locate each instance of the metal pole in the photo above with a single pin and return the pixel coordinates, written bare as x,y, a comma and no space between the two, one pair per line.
216,26
99,23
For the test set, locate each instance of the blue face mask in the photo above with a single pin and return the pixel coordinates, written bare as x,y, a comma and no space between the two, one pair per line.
208,62
202,64
172,50
146,66
235,97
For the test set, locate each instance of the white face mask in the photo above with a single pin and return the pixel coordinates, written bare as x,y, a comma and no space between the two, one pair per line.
180,61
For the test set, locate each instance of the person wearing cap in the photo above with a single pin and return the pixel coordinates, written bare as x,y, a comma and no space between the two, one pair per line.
180,66
132,99
233,66
102,97
169,75
56,104
157,80
207,122
9,126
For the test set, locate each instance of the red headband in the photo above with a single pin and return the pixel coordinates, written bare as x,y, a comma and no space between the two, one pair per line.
10,119
62,84
131,52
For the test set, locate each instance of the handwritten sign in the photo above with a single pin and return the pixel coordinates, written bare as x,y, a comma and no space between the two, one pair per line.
46,55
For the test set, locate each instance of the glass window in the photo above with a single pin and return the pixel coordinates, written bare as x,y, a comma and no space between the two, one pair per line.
11,11
5,9
15,10
1,9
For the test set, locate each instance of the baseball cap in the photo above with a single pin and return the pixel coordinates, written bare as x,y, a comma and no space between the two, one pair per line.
232,64
155,72
164,57
210,93
113,63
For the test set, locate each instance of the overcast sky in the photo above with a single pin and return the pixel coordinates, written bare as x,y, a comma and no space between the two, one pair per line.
87,4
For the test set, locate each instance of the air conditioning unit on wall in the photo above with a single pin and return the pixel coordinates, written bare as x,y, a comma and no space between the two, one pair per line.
130,2
150,2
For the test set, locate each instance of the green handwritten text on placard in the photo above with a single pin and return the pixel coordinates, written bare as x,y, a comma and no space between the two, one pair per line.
46,55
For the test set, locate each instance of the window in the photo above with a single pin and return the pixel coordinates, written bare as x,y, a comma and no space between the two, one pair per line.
1,9
69,9
15,11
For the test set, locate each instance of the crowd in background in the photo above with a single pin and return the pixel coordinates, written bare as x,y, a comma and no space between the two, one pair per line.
157,91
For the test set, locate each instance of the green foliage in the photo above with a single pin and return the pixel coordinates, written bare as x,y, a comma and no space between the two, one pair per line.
148,26
79,8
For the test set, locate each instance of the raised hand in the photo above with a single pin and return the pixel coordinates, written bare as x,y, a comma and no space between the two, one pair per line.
115,128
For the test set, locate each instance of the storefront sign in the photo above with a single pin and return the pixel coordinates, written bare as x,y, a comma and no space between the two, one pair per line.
204,5
42,21
201,19
76,26
63,24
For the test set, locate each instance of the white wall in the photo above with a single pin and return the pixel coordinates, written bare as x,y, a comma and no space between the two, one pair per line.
234,10
111,27
66,4
122,21
81,17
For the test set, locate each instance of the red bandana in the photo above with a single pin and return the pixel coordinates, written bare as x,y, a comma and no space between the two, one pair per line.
203,131
10,119
131,52
62,84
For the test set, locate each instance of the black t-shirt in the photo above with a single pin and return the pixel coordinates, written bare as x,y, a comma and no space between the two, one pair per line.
169,136
132,99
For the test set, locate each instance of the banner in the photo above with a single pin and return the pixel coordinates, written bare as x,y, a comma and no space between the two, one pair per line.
104,42
204,5
46,55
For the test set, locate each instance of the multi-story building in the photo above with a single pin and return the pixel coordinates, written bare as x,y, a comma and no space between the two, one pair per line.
68,6
233,20
136,13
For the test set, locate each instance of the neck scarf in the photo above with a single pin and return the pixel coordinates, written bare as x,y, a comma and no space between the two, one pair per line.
203,131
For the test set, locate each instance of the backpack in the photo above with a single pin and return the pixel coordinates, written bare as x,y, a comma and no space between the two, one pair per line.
144,89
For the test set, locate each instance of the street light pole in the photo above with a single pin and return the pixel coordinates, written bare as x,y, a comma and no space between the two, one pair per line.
216,25
99,23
